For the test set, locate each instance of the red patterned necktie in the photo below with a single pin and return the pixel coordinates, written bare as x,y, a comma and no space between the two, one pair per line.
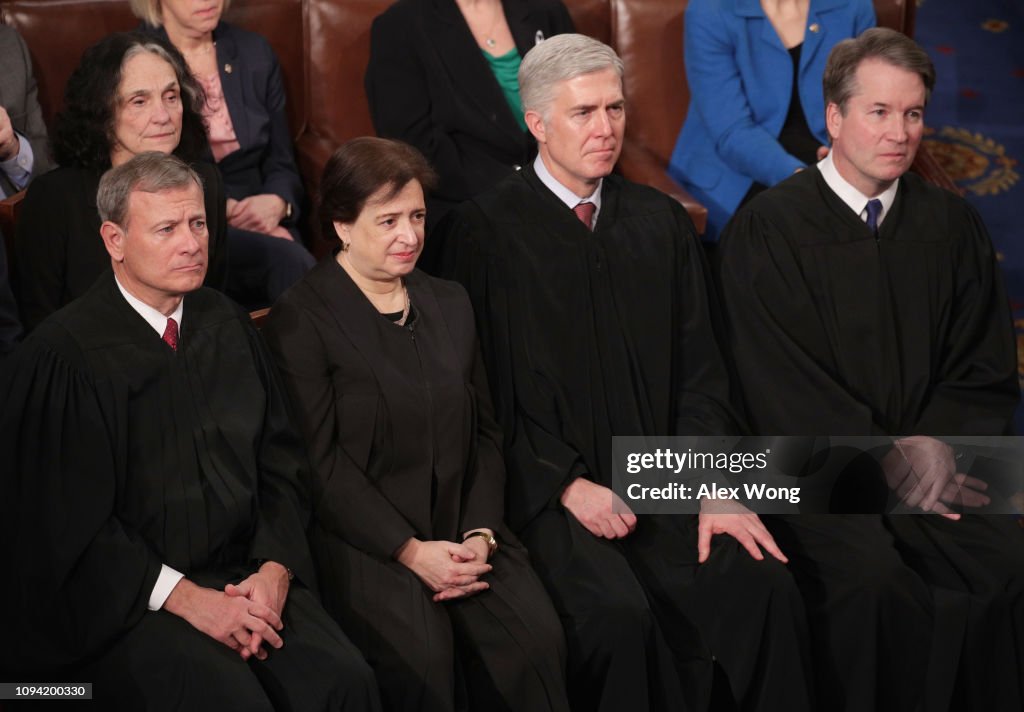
585,212
171,334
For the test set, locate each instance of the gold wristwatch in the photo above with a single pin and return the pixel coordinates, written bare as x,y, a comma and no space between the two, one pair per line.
492,543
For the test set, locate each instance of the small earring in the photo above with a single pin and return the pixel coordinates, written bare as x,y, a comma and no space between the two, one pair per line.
344,246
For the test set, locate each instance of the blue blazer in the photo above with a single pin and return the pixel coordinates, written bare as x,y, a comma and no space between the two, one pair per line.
255,97
741,81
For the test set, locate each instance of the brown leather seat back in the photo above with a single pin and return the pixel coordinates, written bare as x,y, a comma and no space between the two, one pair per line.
57,32
592,17
896,15
339,50
649,38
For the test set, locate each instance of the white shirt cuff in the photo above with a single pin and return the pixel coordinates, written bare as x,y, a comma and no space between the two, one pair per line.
19,168
165,583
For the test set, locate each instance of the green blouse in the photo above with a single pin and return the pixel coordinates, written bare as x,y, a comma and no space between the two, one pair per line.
506,70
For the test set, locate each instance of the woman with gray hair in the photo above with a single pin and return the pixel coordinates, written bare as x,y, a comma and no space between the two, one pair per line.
130,93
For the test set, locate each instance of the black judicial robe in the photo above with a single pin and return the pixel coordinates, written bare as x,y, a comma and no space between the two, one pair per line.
121,455
835,332
399,426
587,335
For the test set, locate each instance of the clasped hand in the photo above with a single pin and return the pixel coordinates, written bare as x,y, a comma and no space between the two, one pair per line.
449,569
241,616
922,472
257,213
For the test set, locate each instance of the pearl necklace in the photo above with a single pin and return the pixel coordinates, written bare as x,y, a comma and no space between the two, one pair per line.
406,308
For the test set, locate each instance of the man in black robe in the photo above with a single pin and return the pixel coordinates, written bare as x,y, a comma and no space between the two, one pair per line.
863,301
594,317
150,504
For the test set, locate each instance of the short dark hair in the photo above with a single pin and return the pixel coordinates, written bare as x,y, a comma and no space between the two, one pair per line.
360,168
839,82
84,132
149,172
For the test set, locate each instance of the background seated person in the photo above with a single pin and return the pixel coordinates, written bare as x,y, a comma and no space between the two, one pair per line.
383,366
249,138
151,504
442,76
23,150
130,93
23,154
756,110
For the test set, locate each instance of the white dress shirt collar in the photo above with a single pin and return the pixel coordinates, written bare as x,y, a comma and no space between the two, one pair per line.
857,201
564,194
152,316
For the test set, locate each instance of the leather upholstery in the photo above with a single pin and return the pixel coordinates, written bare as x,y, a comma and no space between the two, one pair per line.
324,45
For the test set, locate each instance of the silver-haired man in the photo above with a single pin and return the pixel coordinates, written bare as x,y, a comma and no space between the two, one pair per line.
153,521
593,307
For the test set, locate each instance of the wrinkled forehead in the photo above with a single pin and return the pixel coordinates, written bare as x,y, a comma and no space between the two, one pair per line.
179,202
604,83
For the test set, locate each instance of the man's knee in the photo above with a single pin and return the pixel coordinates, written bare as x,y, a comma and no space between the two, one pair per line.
351,676
617,627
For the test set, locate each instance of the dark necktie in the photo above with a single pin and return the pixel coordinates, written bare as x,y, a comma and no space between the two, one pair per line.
171,334
874,210
585,212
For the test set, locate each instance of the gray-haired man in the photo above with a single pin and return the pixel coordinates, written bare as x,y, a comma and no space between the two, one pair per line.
594,313
152,511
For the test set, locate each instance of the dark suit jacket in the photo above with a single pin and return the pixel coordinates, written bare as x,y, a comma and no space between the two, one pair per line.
254,93
397,419
429,84
58,246
18,97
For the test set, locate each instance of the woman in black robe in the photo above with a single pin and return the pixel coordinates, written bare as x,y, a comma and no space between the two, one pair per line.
383,367
111,112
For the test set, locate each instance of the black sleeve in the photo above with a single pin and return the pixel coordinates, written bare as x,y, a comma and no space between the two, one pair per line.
77,576
280,533
41,247
776,334
704,398
540,463
484,488
978,391
345,501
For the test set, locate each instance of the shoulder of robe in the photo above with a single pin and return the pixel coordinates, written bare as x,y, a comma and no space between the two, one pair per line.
63,178
450,295
209,307
637,199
